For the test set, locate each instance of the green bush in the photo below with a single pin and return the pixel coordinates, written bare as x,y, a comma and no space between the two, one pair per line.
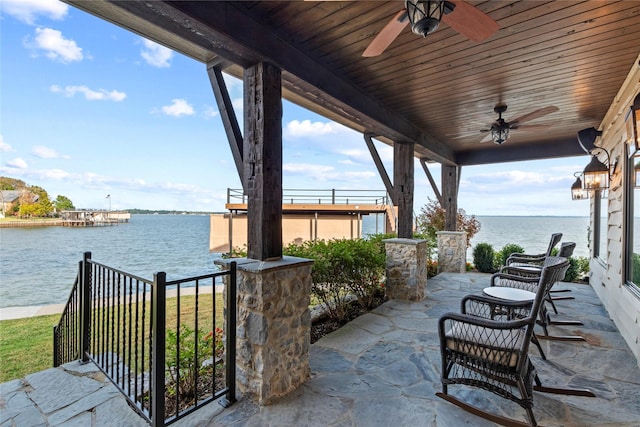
343,267
636,269
506,251
573,272
483,256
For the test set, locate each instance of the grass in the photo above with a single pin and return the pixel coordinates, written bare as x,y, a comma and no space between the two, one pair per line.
26,345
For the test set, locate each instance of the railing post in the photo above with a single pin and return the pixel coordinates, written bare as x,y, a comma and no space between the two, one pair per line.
85,307
158,319
333,196
56,345
230,363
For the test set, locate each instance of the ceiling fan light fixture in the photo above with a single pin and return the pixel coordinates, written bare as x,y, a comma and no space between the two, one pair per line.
424,15
499,133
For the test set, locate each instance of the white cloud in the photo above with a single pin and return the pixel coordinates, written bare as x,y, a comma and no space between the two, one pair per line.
156,55
4,147
324,173
27,10
210,112
17,163
307,168
47,153
304,128
89,94
55,46
178,107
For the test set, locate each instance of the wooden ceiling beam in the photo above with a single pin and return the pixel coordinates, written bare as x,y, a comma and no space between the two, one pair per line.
514,153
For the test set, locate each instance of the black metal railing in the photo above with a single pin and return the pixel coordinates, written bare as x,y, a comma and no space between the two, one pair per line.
162,343
330,197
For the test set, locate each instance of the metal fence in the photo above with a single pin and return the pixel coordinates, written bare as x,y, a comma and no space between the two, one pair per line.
321,197
166,345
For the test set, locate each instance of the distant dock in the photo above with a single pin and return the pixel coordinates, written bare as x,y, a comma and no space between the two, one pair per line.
80,218
91,218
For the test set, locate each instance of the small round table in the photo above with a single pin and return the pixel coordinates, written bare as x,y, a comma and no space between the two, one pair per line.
509,294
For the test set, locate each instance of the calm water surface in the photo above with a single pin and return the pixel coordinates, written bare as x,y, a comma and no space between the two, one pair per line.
38,265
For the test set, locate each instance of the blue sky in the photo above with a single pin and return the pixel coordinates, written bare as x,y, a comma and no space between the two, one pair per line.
88,109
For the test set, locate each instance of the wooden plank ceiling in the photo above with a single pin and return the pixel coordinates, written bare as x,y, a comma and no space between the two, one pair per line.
438,91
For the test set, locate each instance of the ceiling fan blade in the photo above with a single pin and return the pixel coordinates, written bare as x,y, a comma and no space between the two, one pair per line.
387,35
470,21
487,138
535,114
530,127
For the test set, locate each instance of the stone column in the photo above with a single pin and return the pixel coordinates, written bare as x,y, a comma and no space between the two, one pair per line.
452,251
406,269
273,330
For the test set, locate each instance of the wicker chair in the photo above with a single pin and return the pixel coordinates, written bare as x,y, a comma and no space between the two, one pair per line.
544,318
520,259
486,346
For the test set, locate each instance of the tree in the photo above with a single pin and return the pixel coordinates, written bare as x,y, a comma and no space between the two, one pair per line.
432,219
35,203
63,203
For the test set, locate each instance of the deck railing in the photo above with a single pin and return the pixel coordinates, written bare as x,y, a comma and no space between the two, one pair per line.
321,197
162,343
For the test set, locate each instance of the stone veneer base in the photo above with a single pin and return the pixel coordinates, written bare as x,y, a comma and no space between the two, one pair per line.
406,269
273,329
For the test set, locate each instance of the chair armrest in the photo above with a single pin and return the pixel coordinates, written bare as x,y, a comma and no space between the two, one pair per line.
525,259
480,321
521,271
488,307
528,283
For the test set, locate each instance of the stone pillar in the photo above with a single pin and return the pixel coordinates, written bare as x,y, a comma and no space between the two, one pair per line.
452,251
274,324
406,269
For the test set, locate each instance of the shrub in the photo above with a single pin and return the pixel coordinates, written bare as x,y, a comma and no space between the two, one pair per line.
483,256
506,251
186,354
343,267
573,272
432,219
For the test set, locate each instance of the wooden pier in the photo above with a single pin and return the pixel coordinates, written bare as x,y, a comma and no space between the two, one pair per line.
93,218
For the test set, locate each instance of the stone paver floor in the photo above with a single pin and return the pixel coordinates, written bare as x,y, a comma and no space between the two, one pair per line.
382,369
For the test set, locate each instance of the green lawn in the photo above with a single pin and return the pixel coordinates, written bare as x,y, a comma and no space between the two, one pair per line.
26,345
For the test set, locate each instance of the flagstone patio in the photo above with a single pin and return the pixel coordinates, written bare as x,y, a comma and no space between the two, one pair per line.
381,369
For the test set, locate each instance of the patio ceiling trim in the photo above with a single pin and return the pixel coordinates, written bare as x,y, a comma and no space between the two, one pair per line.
510,153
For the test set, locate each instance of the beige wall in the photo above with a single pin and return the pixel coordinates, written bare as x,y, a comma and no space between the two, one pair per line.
295,228
607,276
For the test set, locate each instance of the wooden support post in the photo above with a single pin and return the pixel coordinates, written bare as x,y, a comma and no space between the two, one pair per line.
263,160
403,187
450,182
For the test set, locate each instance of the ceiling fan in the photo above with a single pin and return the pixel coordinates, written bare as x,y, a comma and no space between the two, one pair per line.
425,17
500,129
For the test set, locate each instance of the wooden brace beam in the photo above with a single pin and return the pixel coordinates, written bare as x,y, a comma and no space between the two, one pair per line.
229,120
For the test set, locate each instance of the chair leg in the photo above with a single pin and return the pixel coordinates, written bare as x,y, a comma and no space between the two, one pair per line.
550,301
534,340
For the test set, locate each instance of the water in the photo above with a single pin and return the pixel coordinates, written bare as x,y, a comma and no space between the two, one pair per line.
38,265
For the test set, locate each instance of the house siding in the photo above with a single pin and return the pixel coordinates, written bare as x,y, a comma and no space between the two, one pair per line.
607,277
